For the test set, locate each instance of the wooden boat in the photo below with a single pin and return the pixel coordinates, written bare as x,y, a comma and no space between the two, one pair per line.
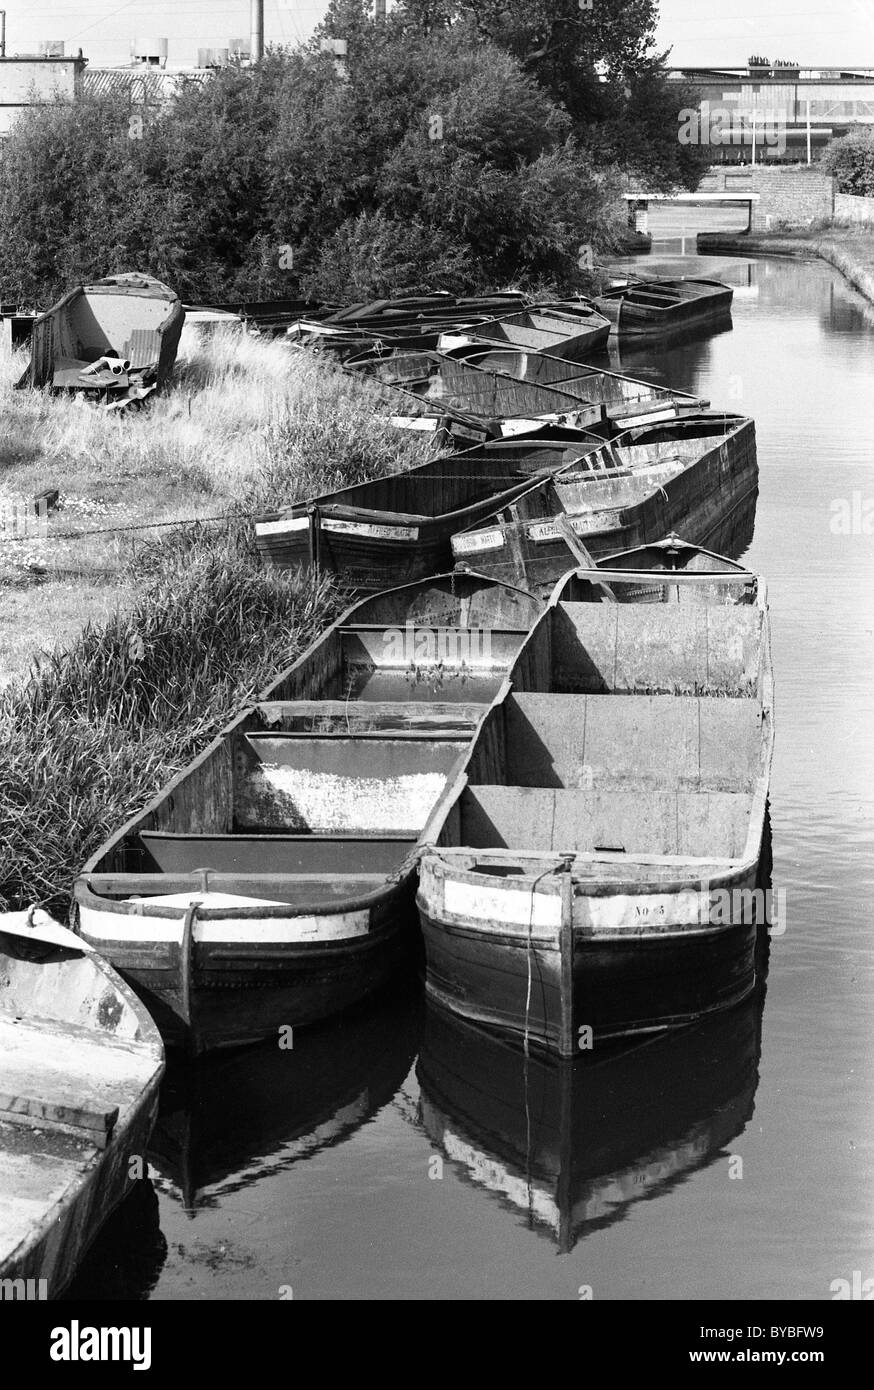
399,528
689,476
80,1067
115,339
409,322
271,883
595,858
231,1120
573,336
652,308
512,391
574,1145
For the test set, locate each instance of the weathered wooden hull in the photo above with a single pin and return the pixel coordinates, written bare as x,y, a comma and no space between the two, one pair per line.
237,980
640,314
624,981
82,1211
80,1069
703,503
576,1144
575,337
594,869
133,317
509,390
379,535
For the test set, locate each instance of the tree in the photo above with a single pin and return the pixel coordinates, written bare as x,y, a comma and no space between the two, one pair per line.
851,161
599,63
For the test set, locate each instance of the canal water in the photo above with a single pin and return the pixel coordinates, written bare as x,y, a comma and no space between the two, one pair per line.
398,1156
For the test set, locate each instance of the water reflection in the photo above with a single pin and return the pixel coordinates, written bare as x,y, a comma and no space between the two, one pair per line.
233,1119
626,355
573,1145
126,1260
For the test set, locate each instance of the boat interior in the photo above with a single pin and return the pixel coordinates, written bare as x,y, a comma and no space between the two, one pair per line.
622,472
452,482
117,323
403,657
74,1060
538,331
665,293
631,729
284,815
321,790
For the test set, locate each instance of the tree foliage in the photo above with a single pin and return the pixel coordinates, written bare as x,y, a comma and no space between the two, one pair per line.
851,161
463,146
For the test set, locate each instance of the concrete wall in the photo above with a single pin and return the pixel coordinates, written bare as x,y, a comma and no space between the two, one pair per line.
30,81
854,211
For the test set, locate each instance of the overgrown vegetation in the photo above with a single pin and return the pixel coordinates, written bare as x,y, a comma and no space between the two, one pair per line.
466,147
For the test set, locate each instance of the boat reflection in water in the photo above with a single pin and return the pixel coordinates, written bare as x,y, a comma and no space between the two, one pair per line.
126,1260
574,1144
234,1118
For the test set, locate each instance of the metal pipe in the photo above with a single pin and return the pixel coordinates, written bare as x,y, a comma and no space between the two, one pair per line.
257,30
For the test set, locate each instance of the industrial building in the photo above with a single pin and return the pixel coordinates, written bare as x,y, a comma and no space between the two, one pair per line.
785,113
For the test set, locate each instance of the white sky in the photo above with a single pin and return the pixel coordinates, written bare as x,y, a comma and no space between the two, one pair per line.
699,31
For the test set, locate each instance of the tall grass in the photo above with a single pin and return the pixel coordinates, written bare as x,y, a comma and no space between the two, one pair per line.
245,420
96,729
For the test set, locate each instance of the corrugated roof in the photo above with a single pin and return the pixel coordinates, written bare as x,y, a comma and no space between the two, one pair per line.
149,85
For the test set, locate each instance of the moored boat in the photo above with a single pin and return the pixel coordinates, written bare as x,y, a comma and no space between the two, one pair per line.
399,528
271,882
115,339
657,307
573,336
511,391
596,857
80,1067
688,475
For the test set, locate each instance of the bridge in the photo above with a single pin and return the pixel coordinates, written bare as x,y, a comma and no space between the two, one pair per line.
638,204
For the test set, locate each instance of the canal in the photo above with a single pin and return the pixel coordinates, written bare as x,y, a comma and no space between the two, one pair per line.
396,1156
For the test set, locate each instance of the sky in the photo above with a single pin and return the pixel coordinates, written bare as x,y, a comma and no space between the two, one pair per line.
698,31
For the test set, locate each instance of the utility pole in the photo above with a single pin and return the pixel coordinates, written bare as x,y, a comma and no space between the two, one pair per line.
257,30
2,33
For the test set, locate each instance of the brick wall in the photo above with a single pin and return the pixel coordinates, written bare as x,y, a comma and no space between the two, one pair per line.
794,197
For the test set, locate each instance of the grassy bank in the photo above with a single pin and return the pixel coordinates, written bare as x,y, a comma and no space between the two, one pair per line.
246,424
188,625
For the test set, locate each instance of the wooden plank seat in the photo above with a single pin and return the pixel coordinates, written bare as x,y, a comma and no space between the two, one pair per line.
46,1082
371,716
216,890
